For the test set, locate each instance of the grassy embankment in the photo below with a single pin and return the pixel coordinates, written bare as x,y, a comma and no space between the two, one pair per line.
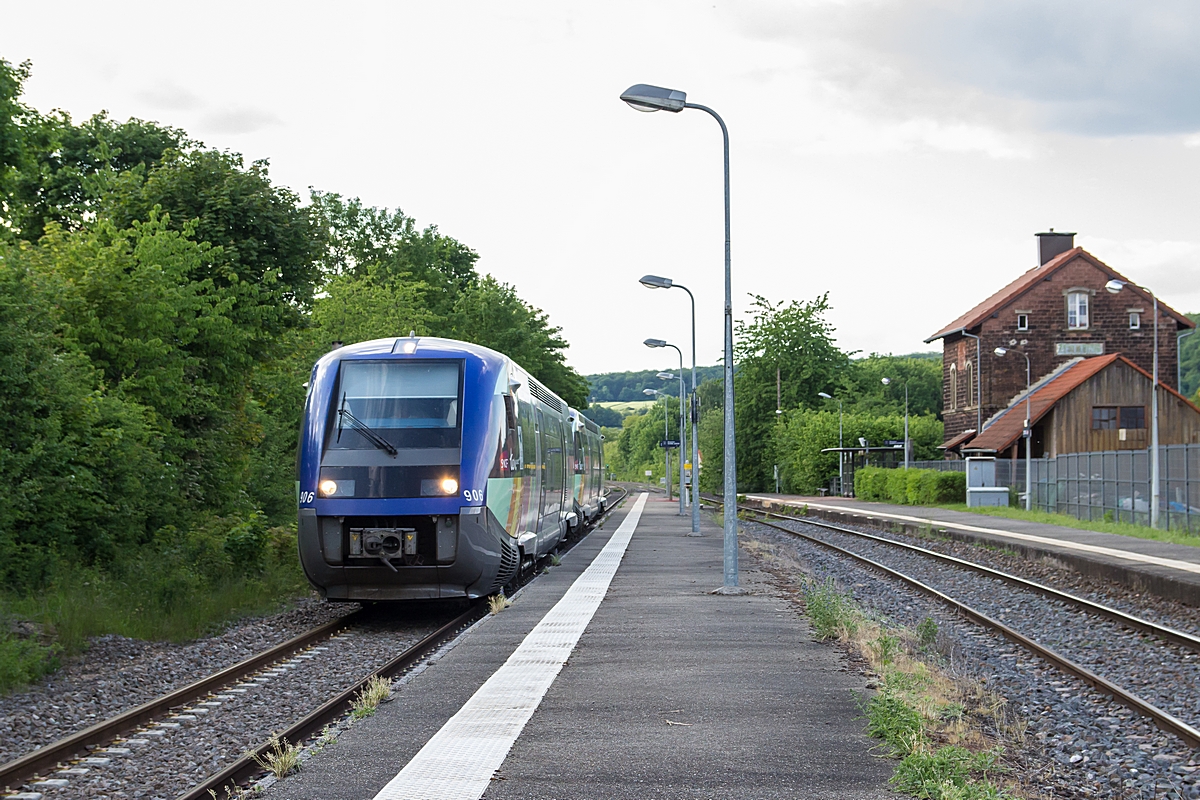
1067,521
933,722
173,596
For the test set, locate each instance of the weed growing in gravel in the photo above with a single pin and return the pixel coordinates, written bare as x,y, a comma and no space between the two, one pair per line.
927,632
832,613
497,603
367,701
555,560
280,758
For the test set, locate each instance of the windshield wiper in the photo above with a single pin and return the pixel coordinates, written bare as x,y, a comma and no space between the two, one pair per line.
366,430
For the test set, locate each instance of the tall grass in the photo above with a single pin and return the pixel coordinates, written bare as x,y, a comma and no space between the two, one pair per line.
155,597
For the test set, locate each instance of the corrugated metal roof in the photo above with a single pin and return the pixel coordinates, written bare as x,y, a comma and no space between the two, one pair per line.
1031,278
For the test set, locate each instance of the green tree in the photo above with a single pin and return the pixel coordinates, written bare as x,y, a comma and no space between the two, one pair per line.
491,314
790,340
1189,363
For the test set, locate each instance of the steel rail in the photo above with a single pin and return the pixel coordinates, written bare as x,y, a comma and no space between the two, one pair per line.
1128,620
1162,719
245,768
15,771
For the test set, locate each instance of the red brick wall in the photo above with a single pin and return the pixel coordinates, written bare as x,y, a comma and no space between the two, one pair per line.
1004,377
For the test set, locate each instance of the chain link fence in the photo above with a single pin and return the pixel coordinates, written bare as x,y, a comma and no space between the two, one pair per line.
1110,485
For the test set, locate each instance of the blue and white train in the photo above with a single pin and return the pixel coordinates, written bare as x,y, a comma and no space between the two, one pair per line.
432,468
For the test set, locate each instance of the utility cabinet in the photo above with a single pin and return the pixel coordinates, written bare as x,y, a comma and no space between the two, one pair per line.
981,484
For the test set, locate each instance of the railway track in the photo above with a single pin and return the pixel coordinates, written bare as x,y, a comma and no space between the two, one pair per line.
1161,718
73,756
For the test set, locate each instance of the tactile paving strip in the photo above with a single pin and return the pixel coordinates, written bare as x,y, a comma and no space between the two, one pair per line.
460,759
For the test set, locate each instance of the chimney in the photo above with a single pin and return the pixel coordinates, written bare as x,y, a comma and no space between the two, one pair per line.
1051,244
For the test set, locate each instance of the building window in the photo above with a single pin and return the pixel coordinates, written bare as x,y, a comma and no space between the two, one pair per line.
969,399
1022,322
1077,311
1133,416
954,387
1135,321
1104,419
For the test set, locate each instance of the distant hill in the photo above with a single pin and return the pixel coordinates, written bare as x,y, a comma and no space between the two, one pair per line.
609,387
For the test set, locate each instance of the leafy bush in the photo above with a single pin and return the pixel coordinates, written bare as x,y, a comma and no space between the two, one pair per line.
912,487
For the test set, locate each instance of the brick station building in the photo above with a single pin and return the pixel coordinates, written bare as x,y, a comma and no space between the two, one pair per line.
1055,312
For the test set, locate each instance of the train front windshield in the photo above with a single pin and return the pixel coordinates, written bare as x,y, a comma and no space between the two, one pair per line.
406,403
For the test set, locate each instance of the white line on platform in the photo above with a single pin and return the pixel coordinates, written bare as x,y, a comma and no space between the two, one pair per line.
460,759
1171,563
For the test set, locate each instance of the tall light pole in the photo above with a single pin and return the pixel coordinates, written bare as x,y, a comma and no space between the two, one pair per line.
885,382
655,282
1027,432
1113,287
666,435
666,376
656,98
841,478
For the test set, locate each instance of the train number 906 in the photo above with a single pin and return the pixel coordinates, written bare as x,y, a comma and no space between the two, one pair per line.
473,495
307,497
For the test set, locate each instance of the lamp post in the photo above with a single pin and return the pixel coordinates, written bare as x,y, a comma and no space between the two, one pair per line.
655,282
885,382
1028,430
682,438
841,478
1113,287
666,435
666,376
643,97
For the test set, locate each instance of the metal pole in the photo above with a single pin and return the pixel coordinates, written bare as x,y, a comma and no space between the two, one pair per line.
841,455
731,524
1028,434
667,435
682,440
1154,475
695,426
906,424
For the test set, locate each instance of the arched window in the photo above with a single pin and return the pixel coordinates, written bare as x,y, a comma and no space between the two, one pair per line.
953,387
969,399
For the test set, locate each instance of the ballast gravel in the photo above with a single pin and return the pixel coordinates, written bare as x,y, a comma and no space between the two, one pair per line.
1088,746
116,673
165,758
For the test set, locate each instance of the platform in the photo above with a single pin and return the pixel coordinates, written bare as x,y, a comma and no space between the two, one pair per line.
669,691
1167,570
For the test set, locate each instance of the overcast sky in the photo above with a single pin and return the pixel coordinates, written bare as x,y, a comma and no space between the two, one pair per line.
898,155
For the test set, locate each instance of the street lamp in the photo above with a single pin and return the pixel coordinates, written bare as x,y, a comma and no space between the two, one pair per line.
666,376
657,98
841,477
682,440
666,435
656,282
1113,287
1028,430
885,382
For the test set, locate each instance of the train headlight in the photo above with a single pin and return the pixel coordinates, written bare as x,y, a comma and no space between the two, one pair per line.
449,486
328,488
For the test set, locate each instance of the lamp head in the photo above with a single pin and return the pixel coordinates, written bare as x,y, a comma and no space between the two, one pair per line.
667,376
1000,351
644,97
650,391
826,396
885,381
1114,286
655,282
655,343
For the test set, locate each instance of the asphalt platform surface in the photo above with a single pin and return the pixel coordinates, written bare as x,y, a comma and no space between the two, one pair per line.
1168,570
672,692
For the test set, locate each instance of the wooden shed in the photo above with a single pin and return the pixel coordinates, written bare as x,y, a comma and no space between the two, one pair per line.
1090,405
